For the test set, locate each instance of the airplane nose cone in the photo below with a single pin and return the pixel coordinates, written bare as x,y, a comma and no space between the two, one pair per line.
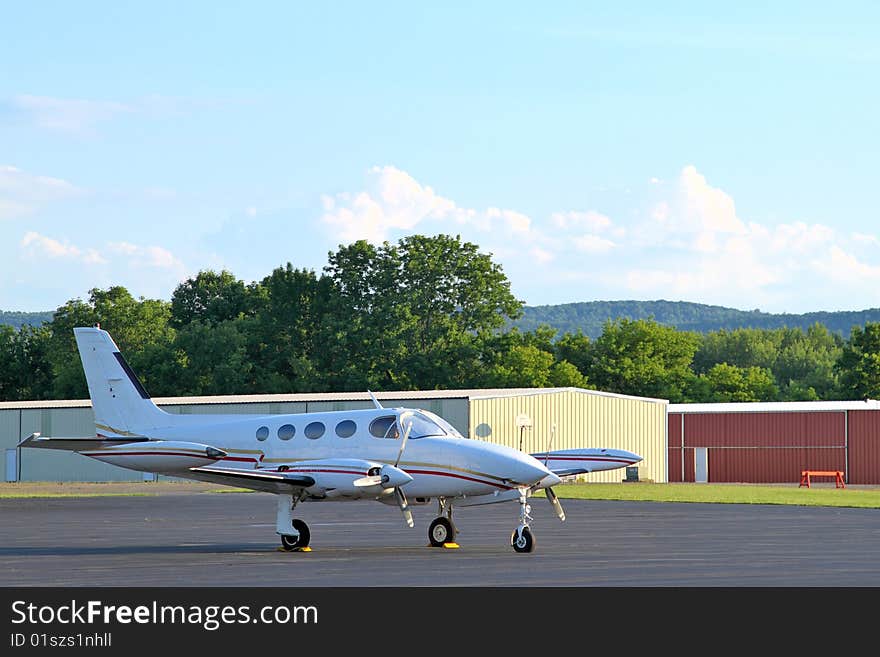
529,471
635,458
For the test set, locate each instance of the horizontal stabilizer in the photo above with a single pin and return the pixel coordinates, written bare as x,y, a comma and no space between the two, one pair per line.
267,482
78,444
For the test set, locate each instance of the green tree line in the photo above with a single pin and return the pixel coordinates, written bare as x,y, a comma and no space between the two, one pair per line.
427,312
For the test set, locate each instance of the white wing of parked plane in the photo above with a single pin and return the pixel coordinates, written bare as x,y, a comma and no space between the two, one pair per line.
569,462
266,482
78,444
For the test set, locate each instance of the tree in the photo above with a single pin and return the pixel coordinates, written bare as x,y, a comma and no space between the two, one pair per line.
643,358
805,365
210,297
25,372
523,366
404,309
214,359
575,348
859,363
293,332
134,324
742,347
729,383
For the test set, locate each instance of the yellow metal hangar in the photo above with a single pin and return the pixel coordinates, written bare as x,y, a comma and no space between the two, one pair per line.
526,418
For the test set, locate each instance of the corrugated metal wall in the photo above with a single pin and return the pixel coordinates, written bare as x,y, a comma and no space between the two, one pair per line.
774,447
864,447
816,429
56,465
582,419
675,454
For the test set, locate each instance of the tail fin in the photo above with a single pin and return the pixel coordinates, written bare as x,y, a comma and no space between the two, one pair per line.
122,406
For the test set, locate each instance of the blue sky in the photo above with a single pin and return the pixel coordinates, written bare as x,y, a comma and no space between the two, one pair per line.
598,150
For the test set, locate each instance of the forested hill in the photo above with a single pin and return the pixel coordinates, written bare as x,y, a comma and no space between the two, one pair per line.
590,316
19,319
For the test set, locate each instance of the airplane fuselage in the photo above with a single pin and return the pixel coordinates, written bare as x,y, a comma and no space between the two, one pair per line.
337,447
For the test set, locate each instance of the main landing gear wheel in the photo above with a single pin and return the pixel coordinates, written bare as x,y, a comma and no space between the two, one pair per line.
441,531
299,541
522,539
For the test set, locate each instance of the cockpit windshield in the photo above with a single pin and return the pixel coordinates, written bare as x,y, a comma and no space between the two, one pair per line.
425,424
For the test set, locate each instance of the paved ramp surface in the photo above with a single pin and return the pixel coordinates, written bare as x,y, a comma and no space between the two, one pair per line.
229,539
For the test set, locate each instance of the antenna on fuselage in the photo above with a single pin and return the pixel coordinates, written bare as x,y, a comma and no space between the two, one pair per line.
375,401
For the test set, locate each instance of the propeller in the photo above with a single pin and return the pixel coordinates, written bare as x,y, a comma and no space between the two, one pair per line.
404,506
554,500
403,442
401,496
551,495
391,476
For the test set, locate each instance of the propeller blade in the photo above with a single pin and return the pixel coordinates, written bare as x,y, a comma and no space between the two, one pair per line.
403,442
555,502
549,443
404,506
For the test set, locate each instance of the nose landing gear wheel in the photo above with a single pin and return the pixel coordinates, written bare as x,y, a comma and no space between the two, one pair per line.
296,542
441,531
522,540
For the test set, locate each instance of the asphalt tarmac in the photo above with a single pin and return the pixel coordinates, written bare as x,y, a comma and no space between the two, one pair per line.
228,539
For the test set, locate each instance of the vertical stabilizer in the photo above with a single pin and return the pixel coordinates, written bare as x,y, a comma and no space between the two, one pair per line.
121,405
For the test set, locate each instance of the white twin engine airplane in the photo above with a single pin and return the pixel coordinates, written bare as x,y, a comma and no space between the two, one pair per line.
398,456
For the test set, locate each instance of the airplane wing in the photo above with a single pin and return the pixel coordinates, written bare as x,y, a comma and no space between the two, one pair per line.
78,444
266,482
568,462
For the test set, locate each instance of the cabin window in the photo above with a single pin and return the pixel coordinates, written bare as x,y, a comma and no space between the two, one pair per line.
286,431
346,429
314,430
262,433
384,427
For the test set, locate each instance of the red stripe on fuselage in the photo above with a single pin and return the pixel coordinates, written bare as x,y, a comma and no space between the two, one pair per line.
458,476
606,459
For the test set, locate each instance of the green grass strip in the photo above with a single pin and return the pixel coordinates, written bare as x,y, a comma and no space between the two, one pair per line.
723,494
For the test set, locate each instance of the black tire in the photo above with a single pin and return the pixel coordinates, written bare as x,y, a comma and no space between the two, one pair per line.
441,531
297,542
524,542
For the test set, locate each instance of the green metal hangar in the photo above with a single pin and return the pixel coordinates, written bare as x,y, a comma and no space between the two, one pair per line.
523,418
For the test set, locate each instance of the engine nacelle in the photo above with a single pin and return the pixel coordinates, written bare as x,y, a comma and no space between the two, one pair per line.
158,455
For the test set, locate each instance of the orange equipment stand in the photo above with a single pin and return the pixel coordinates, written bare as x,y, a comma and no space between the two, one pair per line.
837,474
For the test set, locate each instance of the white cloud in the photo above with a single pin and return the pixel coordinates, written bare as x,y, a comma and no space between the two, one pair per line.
592,244
541,256
395,201
36,245
843,267
864,238
23,193
592,221
146,256
687,242
514,221
121,255
708,207
66,114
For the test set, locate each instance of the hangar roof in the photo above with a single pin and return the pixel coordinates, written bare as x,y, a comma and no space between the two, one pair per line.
777,407
478,393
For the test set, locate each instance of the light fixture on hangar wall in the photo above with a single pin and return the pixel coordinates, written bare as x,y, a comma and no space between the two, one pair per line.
523,422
